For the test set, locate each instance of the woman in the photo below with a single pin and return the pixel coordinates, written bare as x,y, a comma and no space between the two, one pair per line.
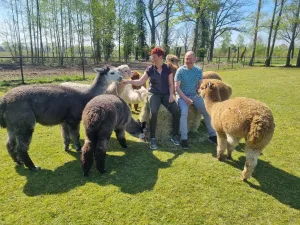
161,91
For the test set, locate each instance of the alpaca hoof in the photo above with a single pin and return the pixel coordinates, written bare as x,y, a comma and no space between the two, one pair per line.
229,157
19,163
103,171
36,168
220,158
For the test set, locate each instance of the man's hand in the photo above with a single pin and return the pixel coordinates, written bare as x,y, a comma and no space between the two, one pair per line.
188,101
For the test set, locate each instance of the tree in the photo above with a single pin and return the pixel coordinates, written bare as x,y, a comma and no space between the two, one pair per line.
255,33
225,16
141,28
295,22
155,9
268,61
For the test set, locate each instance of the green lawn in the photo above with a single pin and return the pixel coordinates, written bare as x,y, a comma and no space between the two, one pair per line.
167,186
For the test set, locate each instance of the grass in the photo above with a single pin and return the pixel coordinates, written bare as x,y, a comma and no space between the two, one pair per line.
166,186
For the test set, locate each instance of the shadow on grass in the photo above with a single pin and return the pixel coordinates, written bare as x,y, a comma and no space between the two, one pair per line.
133,172
273,181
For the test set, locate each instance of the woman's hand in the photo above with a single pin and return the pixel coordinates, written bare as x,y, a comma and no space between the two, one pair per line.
171,99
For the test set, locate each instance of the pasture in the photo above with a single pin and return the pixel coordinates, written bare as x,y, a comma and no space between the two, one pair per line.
168,185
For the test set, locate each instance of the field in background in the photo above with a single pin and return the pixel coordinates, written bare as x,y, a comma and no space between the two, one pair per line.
166,186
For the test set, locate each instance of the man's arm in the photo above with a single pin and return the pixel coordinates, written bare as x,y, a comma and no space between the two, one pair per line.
181,94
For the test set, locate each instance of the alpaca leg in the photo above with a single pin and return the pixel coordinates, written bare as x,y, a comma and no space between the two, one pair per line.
11,147
100,154
23,140
136,106
74,135
222,144
87,157
129,105
232,142
120,133
251,162
66,136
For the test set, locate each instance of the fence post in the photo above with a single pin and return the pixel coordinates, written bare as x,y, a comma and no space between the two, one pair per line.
203,65
232,63
244,62
83,72
21,66
219,63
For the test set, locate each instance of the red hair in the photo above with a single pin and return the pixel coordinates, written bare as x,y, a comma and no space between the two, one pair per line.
158,51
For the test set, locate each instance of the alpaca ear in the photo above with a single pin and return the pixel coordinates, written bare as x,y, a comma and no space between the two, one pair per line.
99,70
210,85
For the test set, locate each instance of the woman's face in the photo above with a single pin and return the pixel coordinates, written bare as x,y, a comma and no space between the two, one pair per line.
156,59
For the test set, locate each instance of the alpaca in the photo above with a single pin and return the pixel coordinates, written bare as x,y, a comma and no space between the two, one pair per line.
235,119
53,104
135,76
172,61
101,116
211,75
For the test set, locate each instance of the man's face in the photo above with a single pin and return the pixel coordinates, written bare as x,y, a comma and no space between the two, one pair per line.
189,60
156,58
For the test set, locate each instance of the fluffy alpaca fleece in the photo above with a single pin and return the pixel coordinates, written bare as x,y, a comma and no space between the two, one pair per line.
224,89
172,61
211,75
22,107
101,116
135,76
238,118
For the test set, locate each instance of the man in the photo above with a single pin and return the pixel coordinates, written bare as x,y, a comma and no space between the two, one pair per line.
160,92
188,79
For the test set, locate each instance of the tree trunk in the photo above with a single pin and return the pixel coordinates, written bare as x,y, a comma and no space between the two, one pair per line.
30,31
268,61
288,59
255,34
271,29
62,34
298,59
196,31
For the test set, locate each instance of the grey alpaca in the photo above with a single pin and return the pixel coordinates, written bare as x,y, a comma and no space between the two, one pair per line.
23,106
101,116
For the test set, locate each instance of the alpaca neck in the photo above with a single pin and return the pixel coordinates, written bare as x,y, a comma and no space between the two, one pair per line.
211,99
133,127
99,85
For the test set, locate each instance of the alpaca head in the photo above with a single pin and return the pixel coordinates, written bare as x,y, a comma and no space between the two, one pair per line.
135,75
111,74
207,87
125,71
137,129
172,59
143,130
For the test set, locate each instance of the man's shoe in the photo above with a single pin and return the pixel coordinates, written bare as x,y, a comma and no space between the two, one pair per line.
175,140
184,144
153,144
213,140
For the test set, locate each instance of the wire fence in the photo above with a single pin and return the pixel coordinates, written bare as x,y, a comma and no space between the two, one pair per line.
81,64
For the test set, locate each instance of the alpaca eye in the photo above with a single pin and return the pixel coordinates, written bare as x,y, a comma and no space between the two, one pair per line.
112,73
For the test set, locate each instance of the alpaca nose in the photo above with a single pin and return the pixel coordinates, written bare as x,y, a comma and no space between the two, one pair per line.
120,79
